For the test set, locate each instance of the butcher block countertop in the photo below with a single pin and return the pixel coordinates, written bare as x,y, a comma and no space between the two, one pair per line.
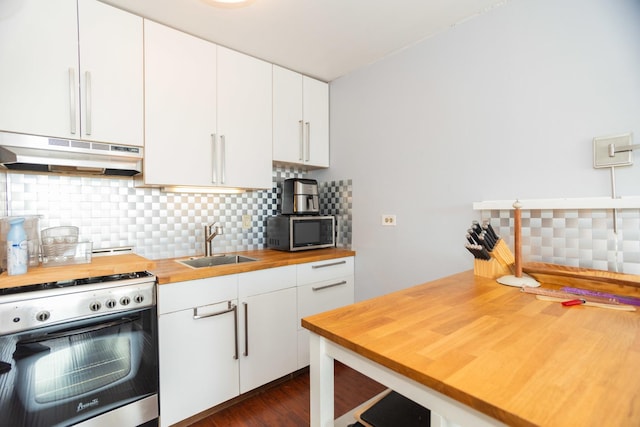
99,266
167,270
518,359
171,271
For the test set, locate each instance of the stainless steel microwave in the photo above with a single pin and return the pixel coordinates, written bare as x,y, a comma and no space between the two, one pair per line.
297,233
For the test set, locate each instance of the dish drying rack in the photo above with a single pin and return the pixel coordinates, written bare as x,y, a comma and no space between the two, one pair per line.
60,246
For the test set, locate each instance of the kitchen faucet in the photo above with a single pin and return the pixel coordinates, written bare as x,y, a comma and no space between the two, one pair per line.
211,231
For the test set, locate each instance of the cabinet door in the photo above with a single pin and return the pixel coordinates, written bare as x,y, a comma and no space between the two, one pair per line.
317,298
315,101
39,67
300,119
268,325
198,369
322,285
269,348
244,120
288,124
180,107
111,73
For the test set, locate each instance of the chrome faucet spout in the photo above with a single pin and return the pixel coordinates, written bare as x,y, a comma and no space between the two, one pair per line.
210,232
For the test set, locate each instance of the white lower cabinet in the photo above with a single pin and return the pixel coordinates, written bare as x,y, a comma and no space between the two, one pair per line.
322,286
223,336
198,346
268,326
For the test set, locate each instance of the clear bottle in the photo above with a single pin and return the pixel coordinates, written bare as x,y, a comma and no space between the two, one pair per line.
17,248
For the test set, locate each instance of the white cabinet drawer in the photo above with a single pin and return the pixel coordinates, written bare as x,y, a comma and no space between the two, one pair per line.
184,295
326,295
324,270
265,281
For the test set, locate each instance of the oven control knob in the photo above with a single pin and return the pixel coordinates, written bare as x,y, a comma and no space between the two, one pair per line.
110,303
125,300
43,316
95,306
138,298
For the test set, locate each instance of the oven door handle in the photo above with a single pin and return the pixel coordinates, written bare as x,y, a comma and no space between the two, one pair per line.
72,332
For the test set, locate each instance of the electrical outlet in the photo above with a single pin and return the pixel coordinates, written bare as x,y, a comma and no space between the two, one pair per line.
246,222
389,220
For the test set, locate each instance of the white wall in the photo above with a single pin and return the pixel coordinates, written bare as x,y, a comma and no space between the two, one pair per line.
502,106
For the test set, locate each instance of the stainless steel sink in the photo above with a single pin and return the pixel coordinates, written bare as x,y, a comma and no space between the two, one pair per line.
214,260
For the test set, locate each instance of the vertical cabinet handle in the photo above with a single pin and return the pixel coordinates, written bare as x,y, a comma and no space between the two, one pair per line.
308,148
235,330
223,159
88,100
301,140
214,160
72,100
246,329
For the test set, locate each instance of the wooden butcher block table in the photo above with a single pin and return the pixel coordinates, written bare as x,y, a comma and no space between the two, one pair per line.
479,353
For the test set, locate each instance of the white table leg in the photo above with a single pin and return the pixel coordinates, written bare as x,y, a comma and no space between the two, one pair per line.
321,378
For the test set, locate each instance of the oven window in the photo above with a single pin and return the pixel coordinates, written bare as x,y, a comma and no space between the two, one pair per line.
82,368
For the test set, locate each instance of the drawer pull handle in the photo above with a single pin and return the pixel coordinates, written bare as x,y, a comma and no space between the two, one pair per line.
319,288
331,264
231,308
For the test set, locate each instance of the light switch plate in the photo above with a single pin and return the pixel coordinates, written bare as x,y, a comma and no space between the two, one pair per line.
601,157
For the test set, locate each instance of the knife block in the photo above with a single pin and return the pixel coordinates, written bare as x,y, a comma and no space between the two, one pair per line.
500,264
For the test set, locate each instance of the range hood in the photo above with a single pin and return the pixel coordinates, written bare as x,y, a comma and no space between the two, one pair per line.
43,154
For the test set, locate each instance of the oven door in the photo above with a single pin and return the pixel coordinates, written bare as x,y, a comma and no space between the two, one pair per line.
65,374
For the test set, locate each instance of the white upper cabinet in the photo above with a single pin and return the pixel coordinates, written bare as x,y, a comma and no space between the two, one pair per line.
180,107
208,113
300,119
39,57
72,70
111,74
244,121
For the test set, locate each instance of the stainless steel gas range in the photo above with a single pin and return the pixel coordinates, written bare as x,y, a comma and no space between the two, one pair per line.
80,352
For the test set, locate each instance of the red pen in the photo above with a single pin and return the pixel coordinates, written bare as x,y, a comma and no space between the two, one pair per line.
573,302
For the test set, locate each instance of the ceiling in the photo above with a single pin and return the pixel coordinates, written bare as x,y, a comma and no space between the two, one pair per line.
324,39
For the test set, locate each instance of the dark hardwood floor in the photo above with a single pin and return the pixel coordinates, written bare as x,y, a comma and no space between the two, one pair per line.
287,404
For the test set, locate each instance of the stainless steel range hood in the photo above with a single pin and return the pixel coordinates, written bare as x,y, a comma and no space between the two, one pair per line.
43,154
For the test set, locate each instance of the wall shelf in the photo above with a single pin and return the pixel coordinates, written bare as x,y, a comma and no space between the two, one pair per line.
631,202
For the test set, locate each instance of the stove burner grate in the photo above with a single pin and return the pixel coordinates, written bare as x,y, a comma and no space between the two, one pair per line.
74,282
